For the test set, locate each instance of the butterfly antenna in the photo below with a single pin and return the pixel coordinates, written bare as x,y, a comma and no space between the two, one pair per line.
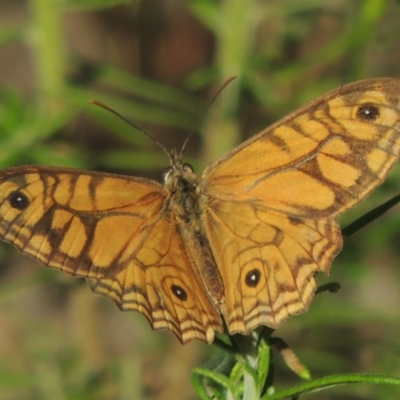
223,86
99,104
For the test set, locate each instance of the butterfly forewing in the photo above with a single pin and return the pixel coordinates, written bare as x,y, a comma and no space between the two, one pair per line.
320,160
75,220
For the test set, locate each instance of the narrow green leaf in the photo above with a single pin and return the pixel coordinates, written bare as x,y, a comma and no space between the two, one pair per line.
88,5
236,372
264,358
331,381
198,385
152,91
214,376
138,111
207,11
236,380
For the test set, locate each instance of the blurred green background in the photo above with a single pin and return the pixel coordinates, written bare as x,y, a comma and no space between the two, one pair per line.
159,62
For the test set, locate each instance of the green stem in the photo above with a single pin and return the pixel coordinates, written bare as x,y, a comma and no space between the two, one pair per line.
48,51
234,42
248,350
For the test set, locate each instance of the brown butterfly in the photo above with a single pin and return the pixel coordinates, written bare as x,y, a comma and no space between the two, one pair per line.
238,245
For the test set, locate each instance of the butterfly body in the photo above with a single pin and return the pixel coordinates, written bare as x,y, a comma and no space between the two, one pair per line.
187,205
237,246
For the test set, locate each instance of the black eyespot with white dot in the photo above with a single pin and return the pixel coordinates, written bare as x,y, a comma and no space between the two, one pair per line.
252,278
18,200
179,292
368,112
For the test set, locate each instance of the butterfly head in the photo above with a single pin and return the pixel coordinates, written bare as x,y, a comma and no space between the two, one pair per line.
179,175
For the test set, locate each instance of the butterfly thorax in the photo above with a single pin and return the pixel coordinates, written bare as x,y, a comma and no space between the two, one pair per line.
182,183
186,206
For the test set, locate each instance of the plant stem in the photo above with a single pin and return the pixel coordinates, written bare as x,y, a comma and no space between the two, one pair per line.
248,350
234,42
48,52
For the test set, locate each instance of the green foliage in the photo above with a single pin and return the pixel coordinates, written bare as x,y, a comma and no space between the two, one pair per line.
87,5
251,377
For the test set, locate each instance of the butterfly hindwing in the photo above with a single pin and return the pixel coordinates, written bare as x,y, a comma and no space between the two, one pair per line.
267,261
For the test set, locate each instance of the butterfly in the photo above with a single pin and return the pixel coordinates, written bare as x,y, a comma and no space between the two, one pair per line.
235,247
